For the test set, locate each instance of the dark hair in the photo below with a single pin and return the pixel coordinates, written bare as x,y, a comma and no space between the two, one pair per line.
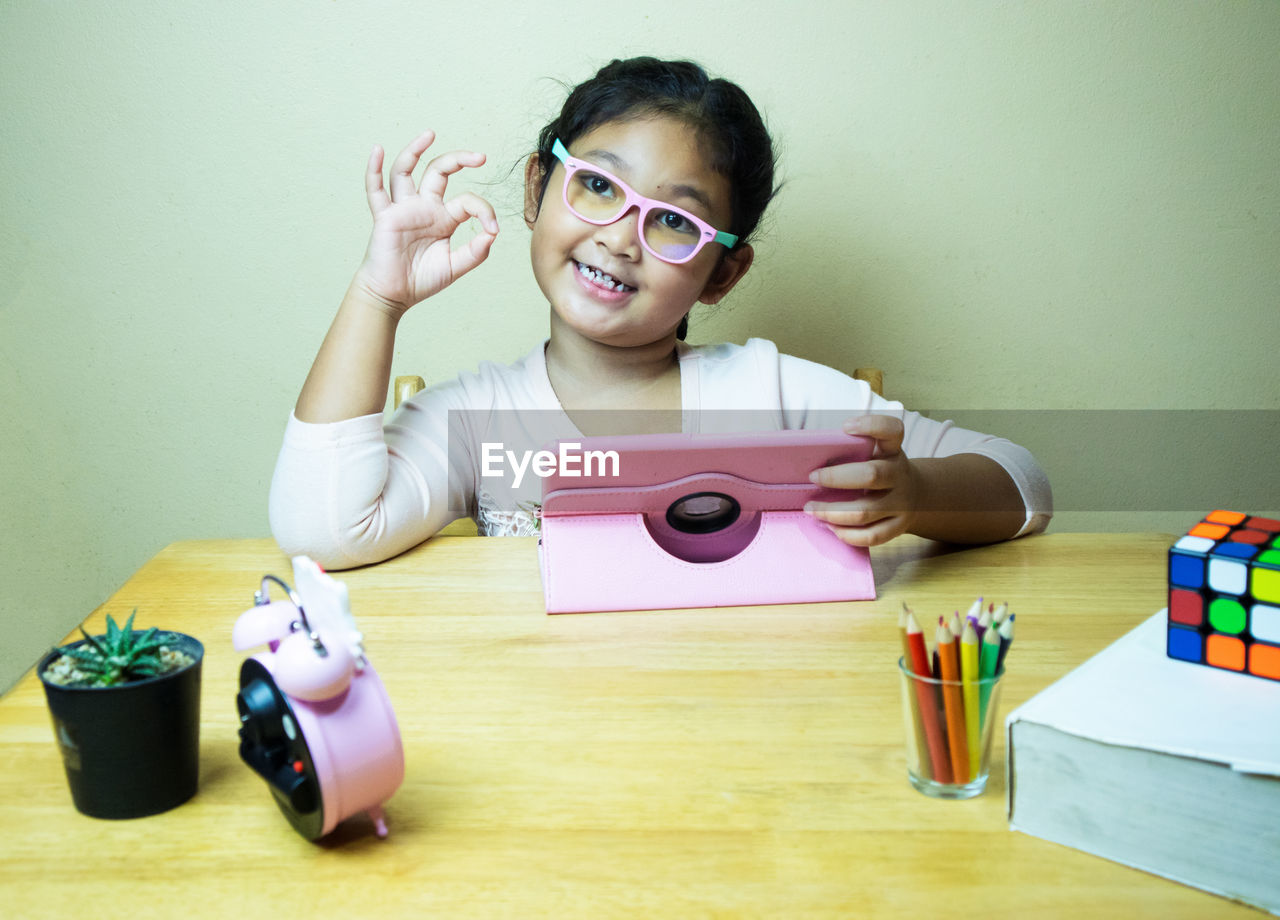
724,116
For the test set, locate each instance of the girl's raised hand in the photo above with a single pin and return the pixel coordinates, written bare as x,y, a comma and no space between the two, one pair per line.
887,507
409,256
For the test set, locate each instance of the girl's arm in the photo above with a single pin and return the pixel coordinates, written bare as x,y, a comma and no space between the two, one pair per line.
349,375
965,498
408,259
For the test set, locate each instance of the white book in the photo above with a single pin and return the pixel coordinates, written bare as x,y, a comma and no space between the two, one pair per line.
1167,766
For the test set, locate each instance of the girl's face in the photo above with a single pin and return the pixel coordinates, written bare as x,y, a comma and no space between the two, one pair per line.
658,157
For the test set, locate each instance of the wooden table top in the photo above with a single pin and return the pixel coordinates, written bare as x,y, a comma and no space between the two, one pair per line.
699,763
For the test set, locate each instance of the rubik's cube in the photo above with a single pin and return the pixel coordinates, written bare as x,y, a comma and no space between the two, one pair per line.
1224,594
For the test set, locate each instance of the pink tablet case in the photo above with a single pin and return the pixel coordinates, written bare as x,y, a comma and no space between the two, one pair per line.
624,542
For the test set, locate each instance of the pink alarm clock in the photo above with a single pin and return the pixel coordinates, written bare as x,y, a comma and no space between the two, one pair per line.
315,720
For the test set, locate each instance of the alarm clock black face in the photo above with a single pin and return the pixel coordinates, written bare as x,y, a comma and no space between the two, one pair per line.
271,743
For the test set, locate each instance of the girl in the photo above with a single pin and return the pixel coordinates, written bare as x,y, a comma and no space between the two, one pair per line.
641,198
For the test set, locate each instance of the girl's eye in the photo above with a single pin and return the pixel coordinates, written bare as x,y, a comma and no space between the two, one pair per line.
597,185
676,222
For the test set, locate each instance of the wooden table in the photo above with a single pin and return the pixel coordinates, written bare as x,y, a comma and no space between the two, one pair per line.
704,763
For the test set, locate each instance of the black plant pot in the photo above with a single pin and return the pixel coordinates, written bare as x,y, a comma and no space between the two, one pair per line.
132,749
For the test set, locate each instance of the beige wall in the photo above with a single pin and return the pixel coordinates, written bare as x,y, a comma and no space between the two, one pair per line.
1008,205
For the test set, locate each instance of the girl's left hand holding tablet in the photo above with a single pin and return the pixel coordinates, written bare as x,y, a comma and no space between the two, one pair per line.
888,506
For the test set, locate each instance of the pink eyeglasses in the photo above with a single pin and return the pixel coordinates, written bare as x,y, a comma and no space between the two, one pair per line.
670,233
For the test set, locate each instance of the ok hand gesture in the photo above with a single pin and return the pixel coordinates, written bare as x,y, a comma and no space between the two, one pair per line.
409,257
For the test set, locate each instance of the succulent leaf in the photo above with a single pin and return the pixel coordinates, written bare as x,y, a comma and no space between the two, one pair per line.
120,655
96,647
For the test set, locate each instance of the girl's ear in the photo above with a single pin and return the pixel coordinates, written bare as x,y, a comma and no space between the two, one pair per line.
532,190
727,273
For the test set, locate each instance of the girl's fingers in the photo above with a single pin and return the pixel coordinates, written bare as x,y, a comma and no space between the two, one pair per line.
404,164
462,208
886,429
467,257
864,523
846,516
879,533
442,167
402,185
863,474
377,195
466,206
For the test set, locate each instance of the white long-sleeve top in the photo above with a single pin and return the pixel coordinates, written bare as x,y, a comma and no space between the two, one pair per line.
357,491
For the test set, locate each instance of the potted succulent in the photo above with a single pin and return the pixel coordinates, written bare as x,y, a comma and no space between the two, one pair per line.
126,716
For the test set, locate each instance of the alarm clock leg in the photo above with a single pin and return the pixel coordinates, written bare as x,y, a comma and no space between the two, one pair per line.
378,816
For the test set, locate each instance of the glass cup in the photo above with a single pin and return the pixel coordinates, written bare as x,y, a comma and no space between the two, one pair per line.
949,725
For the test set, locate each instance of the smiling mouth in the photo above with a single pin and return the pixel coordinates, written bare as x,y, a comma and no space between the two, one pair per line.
603,279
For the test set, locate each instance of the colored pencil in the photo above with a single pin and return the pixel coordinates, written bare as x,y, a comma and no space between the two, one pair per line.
975,609
917,654
969,677
953,703
987,669
917,749
927,703
999,614
984,622
1006,639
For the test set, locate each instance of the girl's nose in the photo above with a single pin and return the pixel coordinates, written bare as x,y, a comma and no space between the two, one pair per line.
622,237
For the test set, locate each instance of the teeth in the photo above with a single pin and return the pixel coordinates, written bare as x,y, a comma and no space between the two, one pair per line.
601,278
